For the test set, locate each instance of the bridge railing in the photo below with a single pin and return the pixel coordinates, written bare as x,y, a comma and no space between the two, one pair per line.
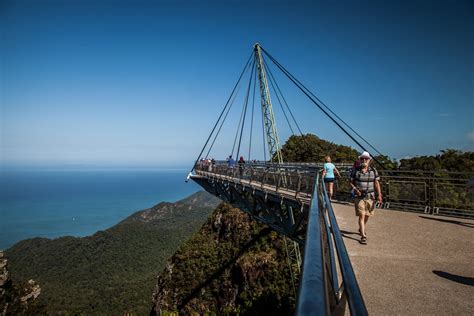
299,180
320,292
438,193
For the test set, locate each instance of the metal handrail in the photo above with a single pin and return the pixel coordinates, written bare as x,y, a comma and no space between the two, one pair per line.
312,298
315,295
350,286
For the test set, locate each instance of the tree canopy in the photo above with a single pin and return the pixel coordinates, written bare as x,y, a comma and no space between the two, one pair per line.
448,160
310,148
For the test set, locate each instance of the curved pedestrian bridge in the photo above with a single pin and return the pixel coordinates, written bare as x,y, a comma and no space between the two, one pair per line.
413,264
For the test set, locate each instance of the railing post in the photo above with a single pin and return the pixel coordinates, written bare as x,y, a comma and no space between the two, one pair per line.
278,180
432,192
298,186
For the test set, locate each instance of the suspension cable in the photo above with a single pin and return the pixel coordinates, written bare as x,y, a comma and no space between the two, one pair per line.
306,92
278,98
283,97
253,111
222,122
238,129
303,137
246,105
227,103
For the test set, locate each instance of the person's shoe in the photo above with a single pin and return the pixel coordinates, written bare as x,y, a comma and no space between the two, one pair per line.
363,240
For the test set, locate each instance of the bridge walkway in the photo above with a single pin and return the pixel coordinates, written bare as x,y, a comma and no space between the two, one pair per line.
413,264
287,193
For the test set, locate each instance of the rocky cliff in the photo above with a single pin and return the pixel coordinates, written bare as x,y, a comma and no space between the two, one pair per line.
16,298
231,266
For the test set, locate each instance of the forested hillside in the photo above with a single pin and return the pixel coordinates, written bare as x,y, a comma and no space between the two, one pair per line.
113,271
232,266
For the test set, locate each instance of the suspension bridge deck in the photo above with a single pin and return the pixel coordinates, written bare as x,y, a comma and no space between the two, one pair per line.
413,264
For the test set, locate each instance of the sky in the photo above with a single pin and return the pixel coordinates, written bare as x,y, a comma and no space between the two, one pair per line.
142,83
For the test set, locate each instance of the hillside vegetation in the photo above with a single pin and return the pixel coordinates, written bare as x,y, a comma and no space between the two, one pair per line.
232,266
310,148
113,271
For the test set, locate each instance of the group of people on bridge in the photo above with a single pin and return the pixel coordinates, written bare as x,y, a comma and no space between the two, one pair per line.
365,184
364,181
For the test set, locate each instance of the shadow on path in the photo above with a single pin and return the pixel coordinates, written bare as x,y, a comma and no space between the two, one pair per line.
346,234
449,221
455,278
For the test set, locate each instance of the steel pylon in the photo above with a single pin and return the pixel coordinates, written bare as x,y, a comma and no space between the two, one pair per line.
274,150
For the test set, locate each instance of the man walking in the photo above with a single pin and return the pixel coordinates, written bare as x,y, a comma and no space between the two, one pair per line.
365,183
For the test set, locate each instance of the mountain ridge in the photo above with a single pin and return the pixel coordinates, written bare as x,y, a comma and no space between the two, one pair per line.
112,271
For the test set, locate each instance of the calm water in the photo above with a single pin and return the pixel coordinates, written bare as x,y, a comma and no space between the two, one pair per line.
54,203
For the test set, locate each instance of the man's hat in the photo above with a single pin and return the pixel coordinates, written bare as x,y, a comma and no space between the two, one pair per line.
365,155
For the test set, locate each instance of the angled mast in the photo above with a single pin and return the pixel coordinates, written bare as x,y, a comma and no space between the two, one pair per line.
273,142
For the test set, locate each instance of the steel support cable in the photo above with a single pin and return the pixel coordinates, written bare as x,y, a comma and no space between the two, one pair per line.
328,108
245,113
278,98
223,120
303,137
306,92
237,131
284,99
241,117
223,110
253,111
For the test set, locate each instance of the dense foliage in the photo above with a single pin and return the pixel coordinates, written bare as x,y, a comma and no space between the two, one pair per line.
114,271
448,160
310,148
232,266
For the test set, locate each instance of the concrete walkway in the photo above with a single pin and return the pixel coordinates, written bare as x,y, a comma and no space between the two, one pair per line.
413,264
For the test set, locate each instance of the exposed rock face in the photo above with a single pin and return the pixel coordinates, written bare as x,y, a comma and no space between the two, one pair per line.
233,265
4,284
32,291
15,299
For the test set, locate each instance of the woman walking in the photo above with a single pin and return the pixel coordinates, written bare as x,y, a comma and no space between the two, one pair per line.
328,175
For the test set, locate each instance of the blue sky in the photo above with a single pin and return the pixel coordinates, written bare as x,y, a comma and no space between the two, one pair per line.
141,83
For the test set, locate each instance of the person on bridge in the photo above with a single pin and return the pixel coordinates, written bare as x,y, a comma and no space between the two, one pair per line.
241,165
328,175
365,183
230,162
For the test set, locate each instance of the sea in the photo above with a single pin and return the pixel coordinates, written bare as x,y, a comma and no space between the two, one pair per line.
53,203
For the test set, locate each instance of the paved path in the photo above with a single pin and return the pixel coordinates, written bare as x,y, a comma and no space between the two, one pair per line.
413,264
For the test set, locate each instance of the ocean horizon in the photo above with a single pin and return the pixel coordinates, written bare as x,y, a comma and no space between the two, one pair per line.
57,202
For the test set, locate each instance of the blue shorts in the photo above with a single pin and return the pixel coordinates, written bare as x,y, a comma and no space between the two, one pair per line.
328,180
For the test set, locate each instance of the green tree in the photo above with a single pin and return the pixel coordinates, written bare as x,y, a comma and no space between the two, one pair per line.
310,148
